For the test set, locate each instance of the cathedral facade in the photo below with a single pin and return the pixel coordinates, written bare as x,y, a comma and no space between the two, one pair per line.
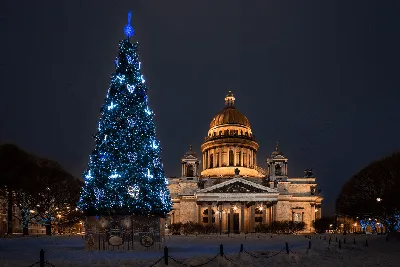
231,190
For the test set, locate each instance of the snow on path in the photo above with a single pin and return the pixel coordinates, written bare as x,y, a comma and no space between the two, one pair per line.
64,251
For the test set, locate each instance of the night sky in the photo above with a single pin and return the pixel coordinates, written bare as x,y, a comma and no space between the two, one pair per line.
320,77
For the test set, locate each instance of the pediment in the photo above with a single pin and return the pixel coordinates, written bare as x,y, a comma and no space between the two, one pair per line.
238,185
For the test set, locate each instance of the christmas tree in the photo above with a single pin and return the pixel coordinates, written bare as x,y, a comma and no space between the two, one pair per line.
125,174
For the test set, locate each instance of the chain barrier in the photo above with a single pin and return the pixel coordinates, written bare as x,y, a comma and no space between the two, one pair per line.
229,260
264,257
182,263
198,265
205,262
250,254
157,261
33,264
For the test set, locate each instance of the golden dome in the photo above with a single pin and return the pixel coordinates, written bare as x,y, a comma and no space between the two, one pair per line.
229,115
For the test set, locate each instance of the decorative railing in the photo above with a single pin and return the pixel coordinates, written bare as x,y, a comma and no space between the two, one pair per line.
242,136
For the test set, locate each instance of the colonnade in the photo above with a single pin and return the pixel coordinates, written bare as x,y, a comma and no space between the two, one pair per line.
225,214
229,156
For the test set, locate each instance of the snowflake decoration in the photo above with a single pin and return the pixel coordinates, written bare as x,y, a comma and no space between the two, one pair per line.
130,59
150,176
131,88
133,191
111,106
115,175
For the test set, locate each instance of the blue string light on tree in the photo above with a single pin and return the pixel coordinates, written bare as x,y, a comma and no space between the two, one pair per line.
125,174
128,30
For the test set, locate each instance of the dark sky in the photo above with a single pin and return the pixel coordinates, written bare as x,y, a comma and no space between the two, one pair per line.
320,77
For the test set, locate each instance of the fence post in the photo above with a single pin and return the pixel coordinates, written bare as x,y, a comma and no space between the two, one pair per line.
329,242
241,247
41,258
221,250
287,247
344,240
336,239
366,242
166,255
354,241
309,244
340,244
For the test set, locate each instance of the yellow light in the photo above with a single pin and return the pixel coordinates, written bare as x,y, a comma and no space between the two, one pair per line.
355,224
260,208
316,210
32,211
234,208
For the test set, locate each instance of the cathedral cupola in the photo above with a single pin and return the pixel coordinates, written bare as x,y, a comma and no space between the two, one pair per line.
190,164
277,165
229,144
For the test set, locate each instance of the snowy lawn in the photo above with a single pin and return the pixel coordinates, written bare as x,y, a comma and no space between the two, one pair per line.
63,251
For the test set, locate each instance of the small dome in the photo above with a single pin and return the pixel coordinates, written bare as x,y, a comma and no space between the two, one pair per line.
276,152
229,115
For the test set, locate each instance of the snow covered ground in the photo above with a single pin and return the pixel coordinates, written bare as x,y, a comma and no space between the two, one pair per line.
63,251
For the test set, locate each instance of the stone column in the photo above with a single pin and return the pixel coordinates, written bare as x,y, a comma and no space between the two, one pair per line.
199,220
209,214
241,157
214,158
273,212
251,158
220,157
241,218
264,214
234,157
252,219
231,219
209,158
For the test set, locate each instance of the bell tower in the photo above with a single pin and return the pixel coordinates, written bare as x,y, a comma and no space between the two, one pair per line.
190,164
277,165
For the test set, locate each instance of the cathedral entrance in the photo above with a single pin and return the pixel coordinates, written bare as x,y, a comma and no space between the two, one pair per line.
235,223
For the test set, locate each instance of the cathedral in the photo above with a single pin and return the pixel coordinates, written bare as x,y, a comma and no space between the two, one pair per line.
231,190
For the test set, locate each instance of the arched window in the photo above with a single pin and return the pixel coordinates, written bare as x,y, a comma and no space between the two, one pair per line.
230,158
241,132
240,158
217,165
189,171
211,160
220,133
